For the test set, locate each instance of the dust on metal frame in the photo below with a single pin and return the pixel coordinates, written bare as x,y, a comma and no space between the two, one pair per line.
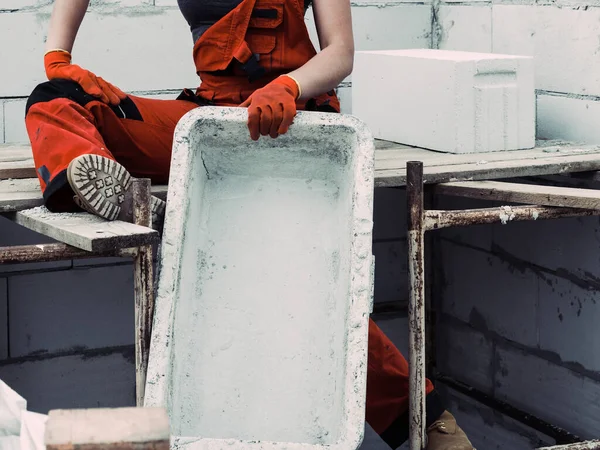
143,274
420,221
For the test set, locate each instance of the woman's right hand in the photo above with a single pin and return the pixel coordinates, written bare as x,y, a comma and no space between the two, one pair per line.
58,65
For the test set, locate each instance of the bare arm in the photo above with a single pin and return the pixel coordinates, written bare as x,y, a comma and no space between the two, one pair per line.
66,18
335,60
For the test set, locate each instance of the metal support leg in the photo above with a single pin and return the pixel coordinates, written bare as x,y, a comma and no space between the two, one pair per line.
144,287
416,304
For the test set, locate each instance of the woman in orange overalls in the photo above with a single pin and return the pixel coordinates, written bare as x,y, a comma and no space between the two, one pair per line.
89,138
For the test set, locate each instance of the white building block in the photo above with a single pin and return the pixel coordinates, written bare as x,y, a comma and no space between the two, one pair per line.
489,293
39,306
553,393
142,49
571,119
1,122
391,271
465,354
344,94
569,315
465,27
564,42
107,429
14,120
450,101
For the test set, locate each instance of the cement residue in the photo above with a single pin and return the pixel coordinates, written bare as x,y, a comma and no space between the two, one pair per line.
265,311
506,214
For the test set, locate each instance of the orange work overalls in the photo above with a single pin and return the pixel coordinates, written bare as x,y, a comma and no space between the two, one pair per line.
256,42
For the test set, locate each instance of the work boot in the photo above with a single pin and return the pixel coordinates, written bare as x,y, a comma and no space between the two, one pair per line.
103,187
445,434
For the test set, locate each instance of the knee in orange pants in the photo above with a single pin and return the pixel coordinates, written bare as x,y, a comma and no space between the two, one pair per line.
63,122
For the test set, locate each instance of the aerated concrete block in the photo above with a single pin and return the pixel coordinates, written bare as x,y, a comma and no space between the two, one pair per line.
449,101
107,429
261,324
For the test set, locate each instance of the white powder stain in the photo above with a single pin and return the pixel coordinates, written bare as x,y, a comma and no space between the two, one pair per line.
259,330
506,214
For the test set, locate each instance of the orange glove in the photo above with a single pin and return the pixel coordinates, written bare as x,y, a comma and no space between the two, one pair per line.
58,65
271,109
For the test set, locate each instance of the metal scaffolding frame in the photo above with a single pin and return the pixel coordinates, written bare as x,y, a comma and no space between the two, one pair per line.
142,266
421,220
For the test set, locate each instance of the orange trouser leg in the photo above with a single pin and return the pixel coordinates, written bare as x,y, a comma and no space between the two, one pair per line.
387,390
63,122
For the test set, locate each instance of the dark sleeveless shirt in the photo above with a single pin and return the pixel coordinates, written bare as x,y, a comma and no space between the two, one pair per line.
201,14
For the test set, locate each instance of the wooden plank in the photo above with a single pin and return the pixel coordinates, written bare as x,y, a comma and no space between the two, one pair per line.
57,251
549,157
489,171
83,230
523,193
20,194
16,161
16,195
388,159
107,429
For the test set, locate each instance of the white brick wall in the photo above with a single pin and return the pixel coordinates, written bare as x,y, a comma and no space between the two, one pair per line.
485,291
553,393
467,355
467,28
562,37
1,122
14,112
562,117
148,48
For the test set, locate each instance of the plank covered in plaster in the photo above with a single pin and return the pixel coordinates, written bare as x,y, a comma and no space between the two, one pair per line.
547,158
104,428
20,194
83,230
523,193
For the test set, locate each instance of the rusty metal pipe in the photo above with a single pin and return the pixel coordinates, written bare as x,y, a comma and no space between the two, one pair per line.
436,219
41,253
416,304
18,254
143,286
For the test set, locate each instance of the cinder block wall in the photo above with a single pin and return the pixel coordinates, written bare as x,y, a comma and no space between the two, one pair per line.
519,302
562,35
66,329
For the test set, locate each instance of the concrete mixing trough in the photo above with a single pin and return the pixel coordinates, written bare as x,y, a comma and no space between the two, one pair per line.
260,331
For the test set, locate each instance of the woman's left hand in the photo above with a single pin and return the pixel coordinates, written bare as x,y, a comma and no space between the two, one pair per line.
271,109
